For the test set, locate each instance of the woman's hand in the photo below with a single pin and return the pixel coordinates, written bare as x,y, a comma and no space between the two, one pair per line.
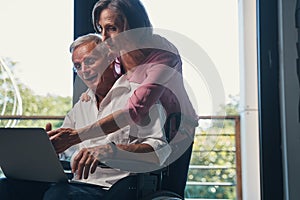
87,160
85,97
63,138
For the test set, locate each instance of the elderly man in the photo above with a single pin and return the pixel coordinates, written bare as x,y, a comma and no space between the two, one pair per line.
106,95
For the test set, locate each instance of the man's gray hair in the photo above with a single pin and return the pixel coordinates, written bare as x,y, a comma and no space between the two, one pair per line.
91,37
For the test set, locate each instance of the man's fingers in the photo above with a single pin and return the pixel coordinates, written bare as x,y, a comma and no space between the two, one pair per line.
48,127
81,164
76,161
54,132
94,166
87,167
84,163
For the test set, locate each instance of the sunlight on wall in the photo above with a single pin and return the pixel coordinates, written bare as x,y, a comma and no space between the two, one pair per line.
213,25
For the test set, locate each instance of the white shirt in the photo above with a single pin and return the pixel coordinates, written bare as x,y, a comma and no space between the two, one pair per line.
85,113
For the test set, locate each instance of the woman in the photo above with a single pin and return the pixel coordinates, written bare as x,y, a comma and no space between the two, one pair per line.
148,60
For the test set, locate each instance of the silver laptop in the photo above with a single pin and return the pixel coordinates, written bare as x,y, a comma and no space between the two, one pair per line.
27,154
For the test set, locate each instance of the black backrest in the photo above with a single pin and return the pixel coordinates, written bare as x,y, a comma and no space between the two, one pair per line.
175,180
176,175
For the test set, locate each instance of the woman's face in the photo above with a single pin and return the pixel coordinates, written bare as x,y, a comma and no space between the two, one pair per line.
111,24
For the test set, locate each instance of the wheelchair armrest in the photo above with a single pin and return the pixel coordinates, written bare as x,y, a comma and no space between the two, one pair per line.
132,166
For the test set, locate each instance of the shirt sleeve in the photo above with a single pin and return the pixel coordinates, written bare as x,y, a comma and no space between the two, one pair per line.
154,76
69,121
153,133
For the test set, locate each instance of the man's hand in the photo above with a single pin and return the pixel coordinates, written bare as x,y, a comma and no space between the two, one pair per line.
63,138
87,160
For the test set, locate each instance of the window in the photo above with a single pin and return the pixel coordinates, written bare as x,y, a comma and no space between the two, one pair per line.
35,37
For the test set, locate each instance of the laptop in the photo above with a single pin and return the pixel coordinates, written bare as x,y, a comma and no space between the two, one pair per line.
28,154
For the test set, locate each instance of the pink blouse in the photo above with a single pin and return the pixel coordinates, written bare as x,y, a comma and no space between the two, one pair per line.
161,80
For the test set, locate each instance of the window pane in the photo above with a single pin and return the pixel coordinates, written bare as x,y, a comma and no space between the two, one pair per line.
35,37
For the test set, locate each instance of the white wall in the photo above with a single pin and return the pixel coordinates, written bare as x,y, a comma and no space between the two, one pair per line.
249,101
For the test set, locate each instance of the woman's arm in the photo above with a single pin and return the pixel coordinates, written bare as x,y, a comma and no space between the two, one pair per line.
63,138
154,79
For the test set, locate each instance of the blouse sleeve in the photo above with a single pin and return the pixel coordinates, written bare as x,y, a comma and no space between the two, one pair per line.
154,76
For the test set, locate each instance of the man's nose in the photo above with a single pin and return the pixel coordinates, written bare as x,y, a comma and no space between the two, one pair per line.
84,67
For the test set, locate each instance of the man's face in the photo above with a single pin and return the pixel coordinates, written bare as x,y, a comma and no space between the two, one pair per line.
89,65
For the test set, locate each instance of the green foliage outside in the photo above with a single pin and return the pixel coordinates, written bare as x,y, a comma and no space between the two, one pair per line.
35,105
49,105
214,146
32,104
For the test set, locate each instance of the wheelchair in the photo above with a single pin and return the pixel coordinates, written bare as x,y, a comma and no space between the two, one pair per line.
167,183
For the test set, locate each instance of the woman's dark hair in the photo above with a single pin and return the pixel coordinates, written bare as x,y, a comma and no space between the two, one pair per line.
131,10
